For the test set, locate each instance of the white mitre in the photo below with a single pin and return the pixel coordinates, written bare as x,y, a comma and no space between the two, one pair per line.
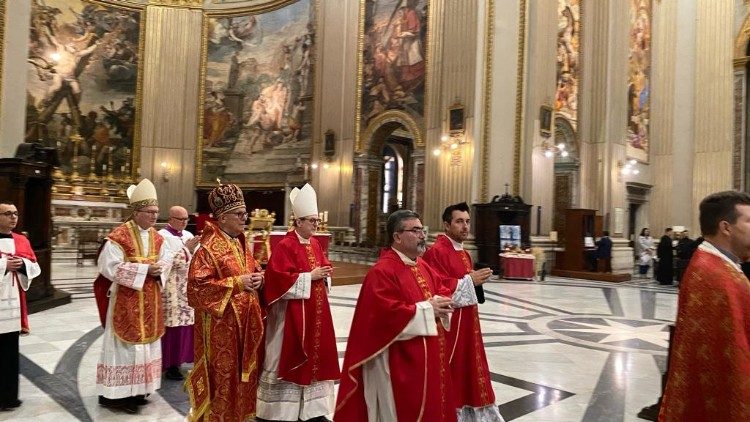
142,195
304,201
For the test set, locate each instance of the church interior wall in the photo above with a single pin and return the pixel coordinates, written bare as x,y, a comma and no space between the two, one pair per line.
537,171
691,112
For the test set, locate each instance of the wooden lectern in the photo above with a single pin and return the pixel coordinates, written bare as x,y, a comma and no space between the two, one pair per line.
28,185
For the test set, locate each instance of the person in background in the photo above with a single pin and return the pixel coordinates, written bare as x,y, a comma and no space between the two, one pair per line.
683,251
177,342
645,251
18,267
604,251
665,253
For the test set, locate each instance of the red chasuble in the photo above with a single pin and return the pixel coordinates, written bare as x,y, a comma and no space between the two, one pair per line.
138,315
23,250
469,369
228,328
418,366
308,350
709,368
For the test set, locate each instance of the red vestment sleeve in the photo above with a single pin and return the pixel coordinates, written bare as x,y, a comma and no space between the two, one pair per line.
23,250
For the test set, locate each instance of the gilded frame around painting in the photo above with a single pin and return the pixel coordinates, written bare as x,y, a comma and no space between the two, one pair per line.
120,71
413,123
252,137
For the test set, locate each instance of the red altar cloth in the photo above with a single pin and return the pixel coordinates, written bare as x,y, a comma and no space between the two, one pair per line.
518,266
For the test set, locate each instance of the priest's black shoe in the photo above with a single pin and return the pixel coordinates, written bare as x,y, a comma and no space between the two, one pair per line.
173,373
140,400
125,404
10,406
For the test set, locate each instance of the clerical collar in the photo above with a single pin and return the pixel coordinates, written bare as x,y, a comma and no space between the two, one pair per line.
6,235
732,257
173,231
302,240
406,260
456,245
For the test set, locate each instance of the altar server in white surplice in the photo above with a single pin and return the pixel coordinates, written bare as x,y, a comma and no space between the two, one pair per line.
17,268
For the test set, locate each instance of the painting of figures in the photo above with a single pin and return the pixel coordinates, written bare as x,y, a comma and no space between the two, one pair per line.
568,65
393,58
639,80
258,96
82,78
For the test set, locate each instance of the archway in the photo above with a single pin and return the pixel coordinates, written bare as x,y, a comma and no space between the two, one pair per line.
388,171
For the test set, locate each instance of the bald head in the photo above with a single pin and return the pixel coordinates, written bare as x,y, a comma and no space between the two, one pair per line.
178,217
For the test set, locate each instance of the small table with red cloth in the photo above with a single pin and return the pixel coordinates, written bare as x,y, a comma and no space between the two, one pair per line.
323,238
517,266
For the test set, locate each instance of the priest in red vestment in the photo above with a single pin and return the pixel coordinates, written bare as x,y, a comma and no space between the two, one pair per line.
472,389
396,361
223,283
18,267
301,362
135,263
709,367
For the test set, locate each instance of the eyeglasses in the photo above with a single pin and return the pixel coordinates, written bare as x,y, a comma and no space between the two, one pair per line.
10,213
241,215
416,231
312,220
180,219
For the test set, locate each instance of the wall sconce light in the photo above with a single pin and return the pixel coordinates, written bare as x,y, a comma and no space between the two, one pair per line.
166,169
449,143
550,150
628,167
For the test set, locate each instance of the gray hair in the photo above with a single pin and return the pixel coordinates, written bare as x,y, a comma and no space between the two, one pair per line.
396,222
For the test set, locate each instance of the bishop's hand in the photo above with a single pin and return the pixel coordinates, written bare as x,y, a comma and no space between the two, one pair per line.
441,306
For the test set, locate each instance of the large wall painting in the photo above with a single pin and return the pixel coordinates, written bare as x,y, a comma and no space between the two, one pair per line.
568,59
639,80
83,77
258,96
393,60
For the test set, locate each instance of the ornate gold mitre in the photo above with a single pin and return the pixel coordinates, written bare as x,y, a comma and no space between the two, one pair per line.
142,195
225,198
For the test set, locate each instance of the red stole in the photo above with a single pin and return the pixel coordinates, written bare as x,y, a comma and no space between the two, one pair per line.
308,350
23,250
709,368
138,315
418,366
469,368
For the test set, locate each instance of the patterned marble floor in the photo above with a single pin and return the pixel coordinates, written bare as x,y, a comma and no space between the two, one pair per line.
560,350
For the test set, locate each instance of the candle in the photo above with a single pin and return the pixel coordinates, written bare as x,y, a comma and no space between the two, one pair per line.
325,216
122,169
93,148
320,216
104,167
